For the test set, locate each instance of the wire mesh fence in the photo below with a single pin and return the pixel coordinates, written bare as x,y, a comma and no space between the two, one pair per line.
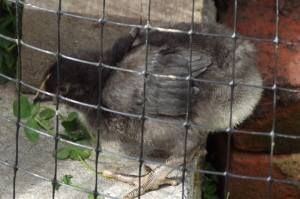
52,179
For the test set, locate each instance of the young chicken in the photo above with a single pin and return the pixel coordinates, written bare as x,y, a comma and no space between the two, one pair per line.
205,83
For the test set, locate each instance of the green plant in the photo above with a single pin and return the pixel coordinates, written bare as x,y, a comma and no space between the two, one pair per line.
228,194
36,118
67,180
8,49
209,184
32,111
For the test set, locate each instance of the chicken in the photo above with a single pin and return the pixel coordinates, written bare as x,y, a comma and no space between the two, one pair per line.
199,90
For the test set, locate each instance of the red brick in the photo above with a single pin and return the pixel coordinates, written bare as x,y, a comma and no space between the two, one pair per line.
258,165
257,19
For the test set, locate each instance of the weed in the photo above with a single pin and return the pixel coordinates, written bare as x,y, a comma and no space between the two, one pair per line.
8,28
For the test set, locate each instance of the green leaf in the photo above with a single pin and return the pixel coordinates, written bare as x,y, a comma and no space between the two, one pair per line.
32,135
209,184
2,52
62,153
1,60
79,136
5,43
8,4
25,107
91,196
7,33
35,109
3,80
228,194
48,124
208,196
72,116
215,178
9,59
74,154
70,124
212,189
8,27
75,136
8,71
47,114
208,166
83,142
66,180
6,19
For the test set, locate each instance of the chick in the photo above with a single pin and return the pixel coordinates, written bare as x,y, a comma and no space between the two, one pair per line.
178,84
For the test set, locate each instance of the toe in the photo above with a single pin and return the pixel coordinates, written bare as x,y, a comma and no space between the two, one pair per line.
130,179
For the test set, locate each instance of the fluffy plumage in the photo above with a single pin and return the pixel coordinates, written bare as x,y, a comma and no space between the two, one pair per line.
165,97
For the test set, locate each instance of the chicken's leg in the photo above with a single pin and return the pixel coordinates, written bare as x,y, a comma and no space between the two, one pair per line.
151,181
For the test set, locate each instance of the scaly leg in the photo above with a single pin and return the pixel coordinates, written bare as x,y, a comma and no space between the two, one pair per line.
151,181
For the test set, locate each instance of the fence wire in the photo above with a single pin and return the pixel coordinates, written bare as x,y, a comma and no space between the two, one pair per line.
102,21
